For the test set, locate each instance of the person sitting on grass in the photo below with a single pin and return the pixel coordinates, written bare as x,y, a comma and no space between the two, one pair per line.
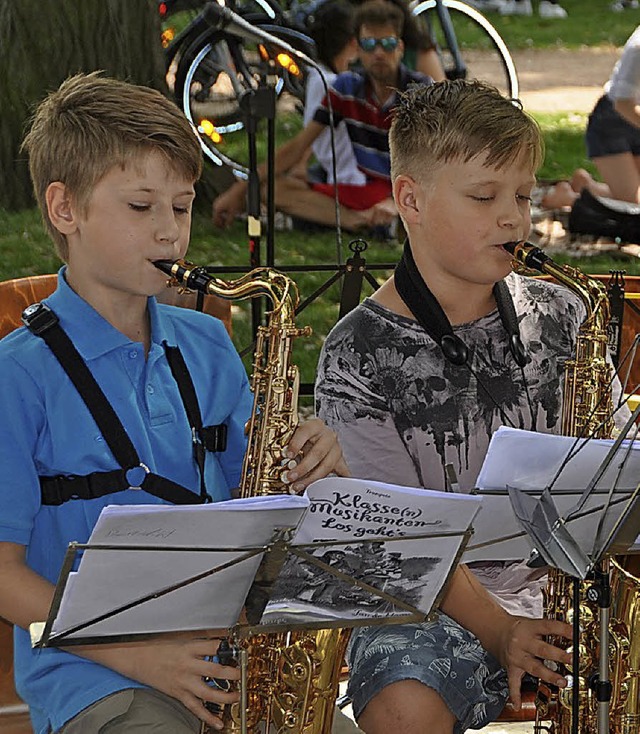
363,100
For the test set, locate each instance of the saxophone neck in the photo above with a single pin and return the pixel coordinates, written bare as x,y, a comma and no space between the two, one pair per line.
592,292
281,291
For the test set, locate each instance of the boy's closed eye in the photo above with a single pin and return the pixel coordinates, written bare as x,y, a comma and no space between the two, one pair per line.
183,209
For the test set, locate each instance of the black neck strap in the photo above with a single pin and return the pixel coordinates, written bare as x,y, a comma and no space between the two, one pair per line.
416,295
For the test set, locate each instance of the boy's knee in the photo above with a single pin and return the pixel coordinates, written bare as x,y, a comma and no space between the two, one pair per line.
407,706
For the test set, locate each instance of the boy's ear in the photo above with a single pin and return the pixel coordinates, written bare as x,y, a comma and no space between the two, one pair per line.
405,193
60,208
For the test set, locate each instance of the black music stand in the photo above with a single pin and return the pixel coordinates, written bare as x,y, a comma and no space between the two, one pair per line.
556,547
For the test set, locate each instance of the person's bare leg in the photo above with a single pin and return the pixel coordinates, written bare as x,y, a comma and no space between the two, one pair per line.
620,172
407,707
559,195
296,198
582,179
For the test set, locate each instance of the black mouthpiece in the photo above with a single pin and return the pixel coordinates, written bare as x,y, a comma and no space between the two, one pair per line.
529,255
164,265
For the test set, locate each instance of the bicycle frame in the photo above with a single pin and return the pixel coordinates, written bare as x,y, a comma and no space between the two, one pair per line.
451,39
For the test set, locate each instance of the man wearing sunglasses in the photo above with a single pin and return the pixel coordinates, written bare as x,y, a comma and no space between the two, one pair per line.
363,99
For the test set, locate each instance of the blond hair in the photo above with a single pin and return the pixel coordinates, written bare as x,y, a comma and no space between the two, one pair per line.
459,120
92,123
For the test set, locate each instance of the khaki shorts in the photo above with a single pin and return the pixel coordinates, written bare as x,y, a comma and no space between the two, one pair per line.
134,710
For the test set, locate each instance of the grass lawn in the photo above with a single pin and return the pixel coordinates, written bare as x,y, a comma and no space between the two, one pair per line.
590,23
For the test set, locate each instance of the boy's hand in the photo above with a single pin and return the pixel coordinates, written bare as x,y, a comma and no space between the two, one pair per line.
228,205
523,650
177,665
314,452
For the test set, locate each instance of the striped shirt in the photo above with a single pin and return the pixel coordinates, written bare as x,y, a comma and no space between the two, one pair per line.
368,122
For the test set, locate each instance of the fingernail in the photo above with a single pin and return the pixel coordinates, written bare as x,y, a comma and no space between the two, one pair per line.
292,476
298,487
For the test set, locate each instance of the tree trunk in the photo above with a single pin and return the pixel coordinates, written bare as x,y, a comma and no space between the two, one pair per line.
42,43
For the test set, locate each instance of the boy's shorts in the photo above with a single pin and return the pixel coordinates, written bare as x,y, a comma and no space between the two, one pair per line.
440,654
355,197
610,134
132,710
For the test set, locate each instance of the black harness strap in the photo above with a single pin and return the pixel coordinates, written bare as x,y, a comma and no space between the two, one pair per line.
210,438
133,474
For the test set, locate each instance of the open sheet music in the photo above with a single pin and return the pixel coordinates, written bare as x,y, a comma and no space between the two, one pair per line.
165,568
399,540
140,550
531,462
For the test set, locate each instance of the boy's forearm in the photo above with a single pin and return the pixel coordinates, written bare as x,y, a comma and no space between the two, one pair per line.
473,607
25,596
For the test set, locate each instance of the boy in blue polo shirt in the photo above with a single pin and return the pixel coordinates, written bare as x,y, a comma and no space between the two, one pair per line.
114,167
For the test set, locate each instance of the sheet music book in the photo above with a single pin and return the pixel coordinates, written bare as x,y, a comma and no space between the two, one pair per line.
529,462
401,541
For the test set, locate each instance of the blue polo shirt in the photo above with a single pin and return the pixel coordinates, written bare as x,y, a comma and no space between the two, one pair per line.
46,429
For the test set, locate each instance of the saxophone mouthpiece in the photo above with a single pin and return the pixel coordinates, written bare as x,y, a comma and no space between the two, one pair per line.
165,266
510,247
528,254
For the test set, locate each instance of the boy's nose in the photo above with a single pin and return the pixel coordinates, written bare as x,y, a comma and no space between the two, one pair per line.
167,229
511,215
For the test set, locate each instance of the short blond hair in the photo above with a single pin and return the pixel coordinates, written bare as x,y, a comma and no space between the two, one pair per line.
459,120
92,123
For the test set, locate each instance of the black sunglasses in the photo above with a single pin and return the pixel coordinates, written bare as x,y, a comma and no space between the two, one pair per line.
388,43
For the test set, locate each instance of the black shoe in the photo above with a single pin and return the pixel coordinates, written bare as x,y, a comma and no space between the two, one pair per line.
591,216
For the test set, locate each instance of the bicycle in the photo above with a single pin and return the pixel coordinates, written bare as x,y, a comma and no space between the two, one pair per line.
453,24
213,68
209,69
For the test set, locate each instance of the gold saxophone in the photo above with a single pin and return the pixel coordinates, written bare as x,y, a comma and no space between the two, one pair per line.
587,411
290,680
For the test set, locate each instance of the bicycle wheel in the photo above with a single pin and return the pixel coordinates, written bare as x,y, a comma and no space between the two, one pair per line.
484,53
216,69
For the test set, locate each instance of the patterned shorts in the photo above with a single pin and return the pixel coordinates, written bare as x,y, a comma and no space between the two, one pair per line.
441,654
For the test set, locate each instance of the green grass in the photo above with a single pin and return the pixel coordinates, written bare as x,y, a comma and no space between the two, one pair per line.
590,23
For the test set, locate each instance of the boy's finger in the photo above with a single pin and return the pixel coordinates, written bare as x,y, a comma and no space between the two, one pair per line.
515,683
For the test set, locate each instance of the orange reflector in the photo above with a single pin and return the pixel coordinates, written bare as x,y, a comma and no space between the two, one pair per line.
208,128
167,36
288,63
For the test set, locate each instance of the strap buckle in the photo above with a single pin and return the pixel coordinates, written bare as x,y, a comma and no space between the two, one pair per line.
38,318
136,475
